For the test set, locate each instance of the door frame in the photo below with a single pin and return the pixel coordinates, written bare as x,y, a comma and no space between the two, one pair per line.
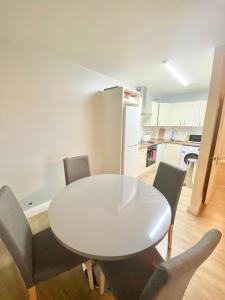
216,93
213,162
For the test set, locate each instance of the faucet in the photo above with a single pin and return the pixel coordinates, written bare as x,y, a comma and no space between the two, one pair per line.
172,136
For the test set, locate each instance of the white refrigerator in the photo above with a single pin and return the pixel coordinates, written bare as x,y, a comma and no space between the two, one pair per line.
131,134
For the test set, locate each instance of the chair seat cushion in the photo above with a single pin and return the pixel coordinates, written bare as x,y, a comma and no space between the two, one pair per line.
50,258
127,278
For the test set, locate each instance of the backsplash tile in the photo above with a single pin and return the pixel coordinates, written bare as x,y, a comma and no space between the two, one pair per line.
179,133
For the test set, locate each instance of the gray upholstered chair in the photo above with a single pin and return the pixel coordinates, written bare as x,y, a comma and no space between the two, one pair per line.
38,257
148,277
169,181
76,168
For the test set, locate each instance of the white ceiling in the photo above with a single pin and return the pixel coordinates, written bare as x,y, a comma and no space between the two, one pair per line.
124,39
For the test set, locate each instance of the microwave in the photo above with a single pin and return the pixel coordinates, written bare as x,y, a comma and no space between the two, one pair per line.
195,138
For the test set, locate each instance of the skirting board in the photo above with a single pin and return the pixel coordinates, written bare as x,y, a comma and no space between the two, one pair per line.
195,210
33,211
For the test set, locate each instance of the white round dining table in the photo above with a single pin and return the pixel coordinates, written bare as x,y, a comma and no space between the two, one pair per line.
109,216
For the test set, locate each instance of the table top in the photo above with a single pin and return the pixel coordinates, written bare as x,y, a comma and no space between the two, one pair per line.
109,217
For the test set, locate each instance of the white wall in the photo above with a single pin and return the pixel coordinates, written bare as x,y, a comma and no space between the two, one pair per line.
48,111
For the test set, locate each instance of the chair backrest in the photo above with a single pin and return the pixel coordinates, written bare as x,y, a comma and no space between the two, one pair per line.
76,168
16,233
169,181
171,278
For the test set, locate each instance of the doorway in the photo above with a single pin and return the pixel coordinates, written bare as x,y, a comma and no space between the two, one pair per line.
211,164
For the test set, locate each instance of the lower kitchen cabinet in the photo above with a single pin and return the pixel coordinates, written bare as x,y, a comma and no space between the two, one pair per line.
160,153
169,153
166,152
142,154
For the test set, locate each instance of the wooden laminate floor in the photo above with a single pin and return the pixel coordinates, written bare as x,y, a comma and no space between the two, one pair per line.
207,283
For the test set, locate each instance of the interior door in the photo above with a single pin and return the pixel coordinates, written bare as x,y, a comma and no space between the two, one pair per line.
218,157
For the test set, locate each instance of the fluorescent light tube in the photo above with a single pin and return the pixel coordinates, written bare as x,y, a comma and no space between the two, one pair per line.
175,73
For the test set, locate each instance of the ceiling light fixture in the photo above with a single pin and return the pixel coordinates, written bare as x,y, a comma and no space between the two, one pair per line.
175,73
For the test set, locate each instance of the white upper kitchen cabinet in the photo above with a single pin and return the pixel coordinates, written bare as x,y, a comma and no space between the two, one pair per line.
191,113
164,114
187,114
177,114
202,111
155,112
194,113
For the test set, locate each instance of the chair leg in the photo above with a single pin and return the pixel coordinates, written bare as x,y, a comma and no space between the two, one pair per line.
32,293
170,237
90,273
101,282
168,253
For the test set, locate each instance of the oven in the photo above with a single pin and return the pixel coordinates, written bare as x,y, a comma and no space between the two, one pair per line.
151,155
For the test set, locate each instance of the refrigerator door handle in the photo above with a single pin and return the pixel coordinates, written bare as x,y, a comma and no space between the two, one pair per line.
132,145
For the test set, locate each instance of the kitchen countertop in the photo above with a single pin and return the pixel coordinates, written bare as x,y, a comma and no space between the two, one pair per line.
157,142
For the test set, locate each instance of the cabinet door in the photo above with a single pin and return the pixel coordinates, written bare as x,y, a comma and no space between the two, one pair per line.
177,114
164,114
142,153
172,154
202,111
159,153
191,113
